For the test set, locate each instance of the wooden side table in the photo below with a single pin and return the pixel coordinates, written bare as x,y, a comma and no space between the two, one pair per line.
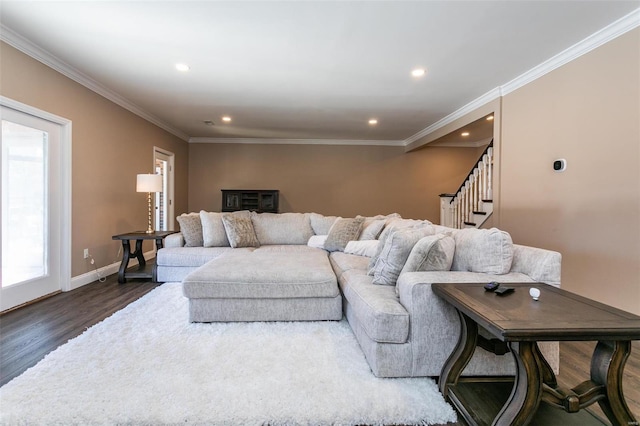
520,322
139,237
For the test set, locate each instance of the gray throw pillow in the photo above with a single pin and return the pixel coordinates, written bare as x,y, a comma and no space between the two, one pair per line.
395,253
320,223
191,229
431,253
371,228
239,229
483,250
343,231
213,232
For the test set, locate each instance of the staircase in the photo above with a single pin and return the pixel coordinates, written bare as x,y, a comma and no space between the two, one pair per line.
472,204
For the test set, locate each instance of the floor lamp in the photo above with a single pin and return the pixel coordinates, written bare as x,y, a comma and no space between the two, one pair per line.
149,183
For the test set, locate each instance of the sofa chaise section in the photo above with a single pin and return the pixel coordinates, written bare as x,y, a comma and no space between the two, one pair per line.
269,283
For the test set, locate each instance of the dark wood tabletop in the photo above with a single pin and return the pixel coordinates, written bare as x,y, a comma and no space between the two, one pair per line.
557,315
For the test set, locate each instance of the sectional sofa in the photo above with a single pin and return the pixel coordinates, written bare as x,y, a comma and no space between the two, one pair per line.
377,271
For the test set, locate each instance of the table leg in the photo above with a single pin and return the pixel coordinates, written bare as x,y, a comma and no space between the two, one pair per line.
126,255
461,355
607,366
139,255
527,388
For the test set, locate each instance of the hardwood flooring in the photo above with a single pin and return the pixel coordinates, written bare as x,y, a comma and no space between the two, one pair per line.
29,333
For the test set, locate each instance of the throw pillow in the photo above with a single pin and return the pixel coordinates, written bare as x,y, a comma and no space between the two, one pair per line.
321,224
365,248
395,252
483,250
343,231
213,232
371,228
191,229
239,229
431,253
391,225
317,241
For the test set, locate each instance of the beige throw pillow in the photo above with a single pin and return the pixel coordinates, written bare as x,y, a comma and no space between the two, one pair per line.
191,229
239,229
343,231
431,253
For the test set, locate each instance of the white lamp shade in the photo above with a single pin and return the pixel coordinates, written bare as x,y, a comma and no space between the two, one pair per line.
149,183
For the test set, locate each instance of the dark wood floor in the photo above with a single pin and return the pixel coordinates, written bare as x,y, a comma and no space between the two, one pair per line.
29,333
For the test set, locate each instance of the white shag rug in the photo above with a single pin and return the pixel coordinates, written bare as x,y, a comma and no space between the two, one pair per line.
147,365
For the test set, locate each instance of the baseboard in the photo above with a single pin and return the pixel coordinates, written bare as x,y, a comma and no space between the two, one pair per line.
92,276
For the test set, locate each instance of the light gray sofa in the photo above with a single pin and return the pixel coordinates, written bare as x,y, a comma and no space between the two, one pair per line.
403,329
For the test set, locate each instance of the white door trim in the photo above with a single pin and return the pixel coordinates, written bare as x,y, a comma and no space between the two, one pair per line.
169,196
65,182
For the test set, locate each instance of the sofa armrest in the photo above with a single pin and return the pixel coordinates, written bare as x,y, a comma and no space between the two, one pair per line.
541,265
174,240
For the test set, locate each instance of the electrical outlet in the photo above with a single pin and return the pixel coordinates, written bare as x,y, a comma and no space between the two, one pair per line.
86,253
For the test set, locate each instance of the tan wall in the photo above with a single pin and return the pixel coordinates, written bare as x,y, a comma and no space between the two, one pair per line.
330,179
110,146
588,112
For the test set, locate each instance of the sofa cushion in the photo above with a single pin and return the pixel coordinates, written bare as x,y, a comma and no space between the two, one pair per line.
213,232
483,250
342,231
377,307
394,255
264,274
320,223
431,253
342,262
282,228
190,256
239,229
191,229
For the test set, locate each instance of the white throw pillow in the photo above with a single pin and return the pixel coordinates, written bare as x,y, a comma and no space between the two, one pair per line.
213,232
365,248
432,253
317,241
395,252
483,250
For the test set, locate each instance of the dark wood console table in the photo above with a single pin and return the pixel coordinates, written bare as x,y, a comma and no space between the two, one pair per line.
139,237
519,321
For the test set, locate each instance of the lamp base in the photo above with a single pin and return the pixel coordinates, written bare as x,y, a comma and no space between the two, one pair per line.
149,228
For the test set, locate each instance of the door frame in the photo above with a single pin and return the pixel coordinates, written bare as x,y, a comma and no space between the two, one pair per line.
169,194
64,176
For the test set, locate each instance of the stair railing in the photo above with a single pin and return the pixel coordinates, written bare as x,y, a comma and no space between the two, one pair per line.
472,203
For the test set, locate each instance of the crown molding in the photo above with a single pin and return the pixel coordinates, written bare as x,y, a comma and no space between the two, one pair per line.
471,106
36,52
469,144
595,40
264,141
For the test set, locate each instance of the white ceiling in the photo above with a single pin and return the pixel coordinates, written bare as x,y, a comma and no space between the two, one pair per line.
302,69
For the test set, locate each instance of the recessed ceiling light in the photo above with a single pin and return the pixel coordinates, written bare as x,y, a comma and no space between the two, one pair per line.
418,72
373,121
226,119
208,122
465,133
182,67
489,118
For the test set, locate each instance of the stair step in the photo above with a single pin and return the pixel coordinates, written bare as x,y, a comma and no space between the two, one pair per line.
482,213
470,223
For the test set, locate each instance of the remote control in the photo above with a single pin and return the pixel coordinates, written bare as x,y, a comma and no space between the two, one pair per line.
491,286
504,291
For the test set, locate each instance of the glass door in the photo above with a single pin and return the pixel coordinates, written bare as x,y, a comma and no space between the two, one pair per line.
30,208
